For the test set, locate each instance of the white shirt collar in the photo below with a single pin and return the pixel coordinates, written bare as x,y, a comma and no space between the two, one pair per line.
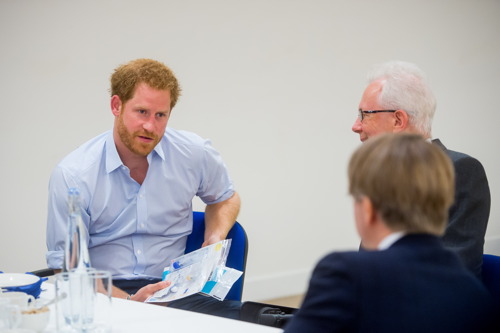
390,239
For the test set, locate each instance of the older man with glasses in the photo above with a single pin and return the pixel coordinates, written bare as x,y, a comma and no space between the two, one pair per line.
398,99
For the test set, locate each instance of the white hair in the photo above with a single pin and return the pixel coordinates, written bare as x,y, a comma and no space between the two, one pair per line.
404,87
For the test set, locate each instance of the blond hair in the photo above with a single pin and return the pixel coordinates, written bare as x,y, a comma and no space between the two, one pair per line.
409,181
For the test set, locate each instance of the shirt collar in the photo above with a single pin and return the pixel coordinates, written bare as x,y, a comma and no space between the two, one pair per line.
390,239
113,160
159,149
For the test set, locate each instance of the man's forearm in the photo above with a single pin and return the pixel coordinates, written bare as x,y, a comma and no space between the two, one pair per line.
220,218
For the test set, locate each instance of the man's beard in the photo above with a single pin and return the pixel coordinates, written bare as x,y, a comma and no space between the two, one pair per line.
129,140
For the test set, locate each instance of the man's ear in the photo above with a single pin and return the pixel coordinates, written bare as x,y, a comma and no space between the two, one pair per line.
401,120
116,105
369,211
366,224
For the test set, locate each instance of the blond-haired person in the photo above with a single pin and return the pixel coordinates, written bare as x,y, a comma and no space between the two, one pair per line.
406,281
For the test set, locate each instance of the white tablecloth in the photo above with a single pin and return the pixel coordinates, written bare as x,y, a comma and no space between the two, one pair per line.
130,316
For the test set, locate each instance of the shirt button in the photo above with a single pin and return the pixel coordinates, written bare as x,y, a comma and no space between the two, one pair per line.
142,225
139,251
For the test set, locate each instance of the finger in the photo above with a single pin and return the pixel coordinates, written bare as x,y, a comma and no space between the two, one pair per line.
162,285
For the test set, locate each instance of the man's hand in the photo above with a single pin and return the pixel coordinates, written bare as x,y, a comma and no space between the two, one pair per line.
147,291
214,238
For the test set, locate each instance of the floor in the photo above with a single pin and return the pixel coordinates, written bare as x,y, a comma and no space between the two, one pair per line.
293,301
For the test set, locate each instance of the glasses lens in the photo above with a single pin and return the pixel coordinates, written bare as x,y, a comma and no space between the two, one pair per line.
360,115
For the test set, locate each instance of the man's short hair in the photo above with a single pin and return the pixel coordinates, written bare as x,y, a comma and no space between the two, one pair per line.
404,87
409,181
126,77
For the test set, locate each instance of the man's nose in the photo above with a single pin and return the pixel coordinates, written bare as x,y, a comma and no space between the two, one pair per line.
356,127
148,125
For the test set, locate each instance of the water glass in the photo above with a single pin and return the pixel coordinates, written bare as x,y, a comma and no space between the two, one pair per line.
84,301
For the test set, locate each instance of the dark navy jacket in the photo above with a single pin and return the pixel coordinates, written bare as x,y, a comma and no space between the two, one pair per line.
414,286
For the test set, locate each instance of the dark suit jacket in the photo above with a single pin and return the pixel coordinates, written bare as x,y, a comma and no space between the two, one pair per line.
468,217
414,286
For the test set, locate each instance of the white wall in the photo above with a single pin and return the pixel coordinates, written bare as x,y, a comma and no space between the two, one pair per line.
274,83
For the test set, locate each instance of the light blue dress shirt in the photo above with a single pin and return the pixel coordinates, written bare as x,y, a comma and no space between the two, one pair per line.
135,230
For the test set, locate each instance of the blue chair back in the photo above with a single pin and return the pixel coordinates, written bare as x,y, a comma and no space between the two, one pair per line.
237,257
491,274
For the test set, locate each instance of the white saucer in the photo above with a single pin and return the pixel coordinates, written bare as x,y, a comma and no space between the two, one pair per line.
17,279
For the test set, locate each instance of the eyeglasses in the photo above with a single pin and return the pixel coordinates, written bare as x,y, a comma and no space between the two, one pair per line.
361,114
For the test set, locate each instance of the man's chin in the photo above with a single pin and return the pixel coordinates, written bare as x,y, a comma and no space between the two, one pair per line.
143,151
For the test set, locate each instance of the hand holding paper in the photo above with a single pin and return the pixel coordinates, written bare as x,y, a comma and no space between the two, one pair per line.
202,270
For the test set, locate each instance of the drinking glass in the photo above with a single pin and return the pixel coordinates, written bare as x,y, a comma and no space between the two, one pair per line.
84,301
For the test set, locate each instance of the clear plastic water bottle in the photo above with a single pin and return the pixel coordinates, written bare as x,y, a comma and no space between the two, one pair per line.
76,254
78,306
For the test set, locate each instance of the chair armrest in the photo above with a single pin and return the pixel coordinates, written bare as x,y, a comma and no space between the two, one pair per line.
43,272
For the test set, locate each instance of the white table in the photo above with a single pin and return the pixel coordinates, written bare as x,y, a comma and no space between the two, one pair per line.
130,316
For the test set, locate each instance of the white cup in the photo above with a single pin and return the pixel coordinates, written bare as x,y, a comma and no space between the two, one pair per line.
23,300
35,319
10,315
84,301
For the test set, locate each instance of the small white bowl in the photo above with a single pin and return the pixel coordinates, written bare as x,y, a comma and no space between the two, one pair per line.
26,283
35,320
17,279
